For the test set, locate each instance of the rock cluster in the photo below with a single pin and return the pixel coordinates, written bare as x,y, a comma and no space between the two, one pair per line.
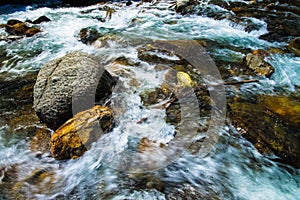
19,28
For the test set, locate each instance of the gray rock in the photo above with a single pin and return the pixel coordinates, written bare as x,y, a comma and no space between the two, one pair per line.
68,85
258,65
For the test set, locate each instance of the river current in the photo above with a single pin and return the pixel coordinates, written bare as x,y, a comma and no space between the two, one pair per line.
233,169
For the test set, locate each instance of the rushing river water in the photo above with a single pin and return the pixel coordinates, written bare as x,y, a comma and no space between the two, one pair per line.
233,169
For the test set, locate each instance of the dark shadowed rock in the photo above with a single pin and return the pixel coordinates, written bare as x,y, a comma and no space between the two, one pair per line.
294,46
13,22
68,85
41,19
88,35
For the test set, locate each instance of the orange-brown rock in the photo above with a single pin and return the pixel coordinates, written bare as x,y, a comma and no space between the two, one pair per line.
75,136
32,31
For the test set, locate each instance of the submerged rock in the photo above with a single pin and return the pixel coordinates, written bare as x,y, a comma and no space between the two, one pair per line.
271,123
68,85
40,181
40,142
152,96
154,55
149,145
186,192
73,138
147,181
106,41
17,114
294,46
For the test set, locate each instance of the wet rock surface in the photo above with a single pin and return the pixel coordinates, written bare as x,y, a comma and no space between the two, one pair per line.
257,63
271,123
69,85
75,136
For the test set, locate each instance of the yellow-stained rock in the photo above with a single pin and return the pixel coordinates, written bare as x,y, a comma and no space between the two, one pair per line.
75,136
184,80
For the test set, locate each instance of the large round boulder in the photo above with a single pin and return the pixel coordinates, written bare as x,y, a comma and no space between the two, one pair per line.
68,85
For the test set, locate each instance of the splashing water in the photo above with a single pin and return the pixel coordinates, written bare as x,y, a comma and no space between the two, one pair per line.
233,170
